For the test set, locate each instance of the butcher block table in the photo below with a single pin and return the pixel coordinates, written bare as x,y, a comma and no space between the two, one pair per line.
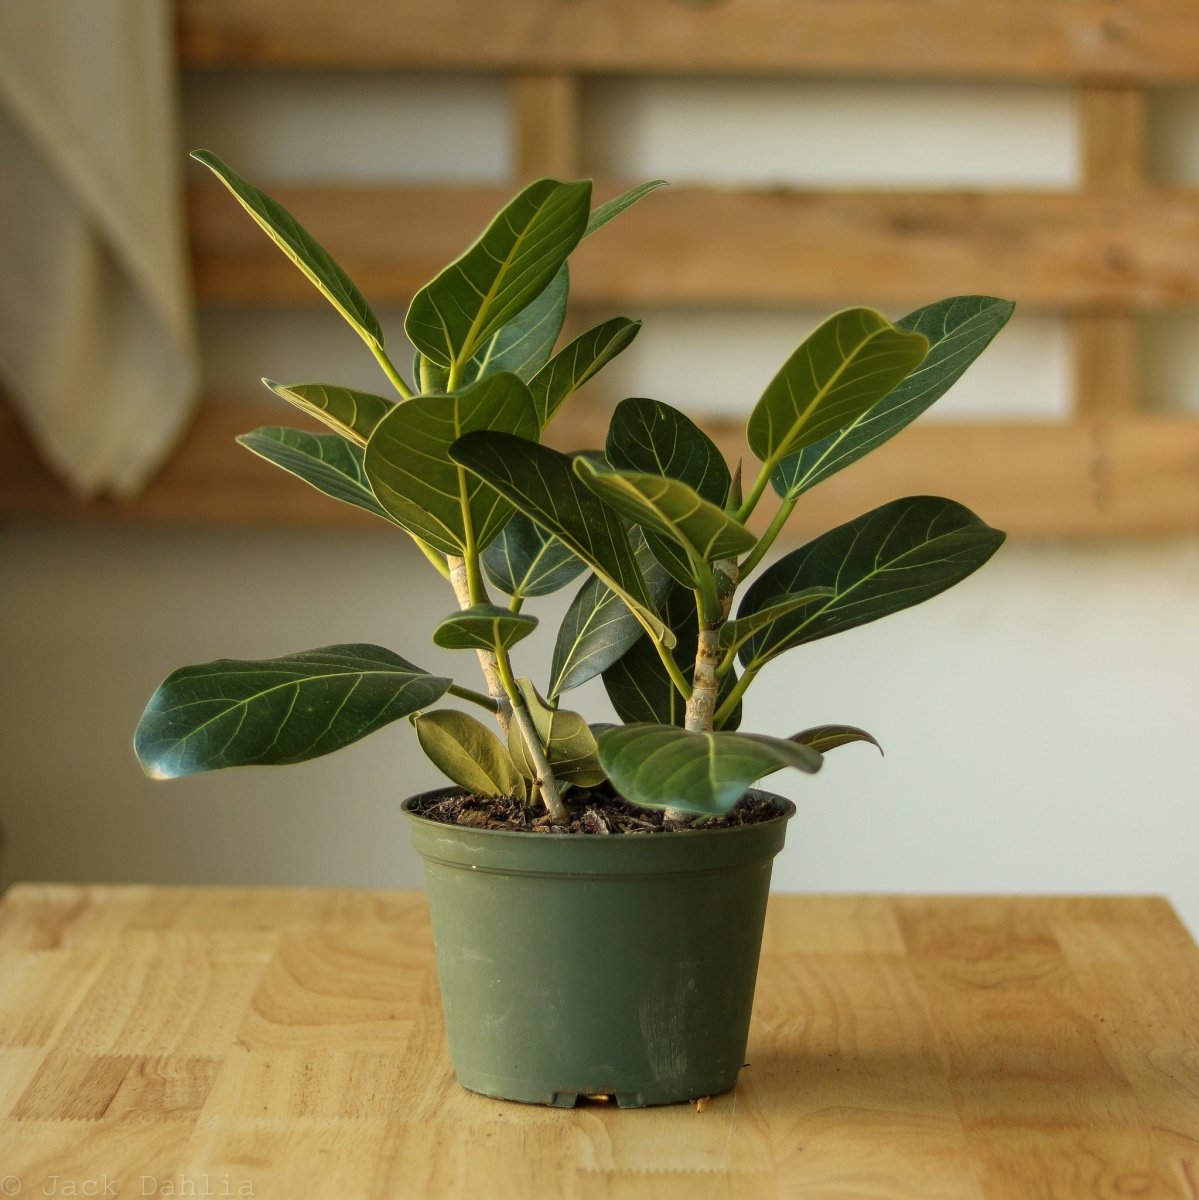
287,1043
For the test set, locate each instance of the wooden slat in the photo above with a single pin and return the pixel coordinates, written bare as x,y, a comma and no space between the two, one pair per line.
1112,137
685,246
1111,152
1113,40
1135,475
1106,375
545,110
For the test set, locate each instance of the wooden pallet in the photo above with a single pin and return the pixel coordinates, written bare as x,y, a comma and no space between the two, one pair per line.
1115,248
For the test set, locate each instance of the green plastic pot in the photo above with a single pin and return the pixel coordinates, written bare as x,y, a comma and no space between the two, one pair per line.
582,965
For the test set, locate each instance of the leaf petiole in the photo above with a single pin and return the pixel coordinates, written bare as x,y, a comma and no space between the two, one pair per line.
465,693
389,369
785,509
734,697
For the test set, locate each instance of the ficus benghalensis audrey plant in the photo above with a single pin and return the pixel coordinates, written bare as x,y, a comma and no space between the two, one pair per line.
657,521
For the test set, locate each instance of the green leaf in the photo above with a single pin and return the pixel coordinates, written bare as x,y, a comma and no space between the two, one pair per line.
483,627
514,261
566,737
703,531
823,738
524,560
614,207
540,483
958,330
347,411
659,766
598,626
576,363
233,713
467,752
890,559
734,634
656,439
325,461
301,247
847,365
638,684
408,462
524,345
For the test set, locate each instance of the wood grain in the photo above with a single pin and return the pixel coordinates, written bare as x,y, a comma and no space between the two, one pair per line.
289,1042
1126,40
709,246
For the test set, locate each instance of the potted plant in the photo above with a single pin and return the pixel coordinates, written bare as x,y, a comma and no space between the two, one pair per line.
597,890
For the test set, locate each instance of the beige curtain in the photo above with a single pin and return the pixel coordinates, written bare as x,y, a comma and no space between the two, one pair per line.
97,345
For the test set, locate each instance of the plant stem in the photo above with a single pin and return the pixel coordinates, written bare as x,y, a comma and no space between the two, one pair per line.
705,687
545,783
767,539
397,380
701,708
464,693
459,581
705,594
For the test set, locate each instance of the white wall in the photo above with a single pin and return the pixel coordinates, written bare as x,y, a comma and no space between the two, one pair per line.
1037,720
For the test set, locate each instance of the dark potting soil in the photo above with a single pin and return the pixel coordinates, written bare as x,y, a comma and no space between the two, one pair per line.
590,812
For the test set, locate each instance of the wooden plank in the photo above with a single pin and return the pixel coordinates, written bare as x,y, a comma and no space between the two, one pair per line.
684,246
1132,475
289,1042
1112,137
545,112
1112,151
1106,375
1128,40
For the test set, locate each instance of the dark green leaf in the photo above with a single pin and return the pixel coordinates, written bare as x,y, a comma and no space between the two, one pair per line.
890,559
598,627
823,738
324,460
524,560
408,462
734,634
565,736
483,628
659,766
514,261
351,413
233,713
654,438
540,483
843,368
524,345
638,684
673,510
467,752
614,207
576,363
301,247
958,330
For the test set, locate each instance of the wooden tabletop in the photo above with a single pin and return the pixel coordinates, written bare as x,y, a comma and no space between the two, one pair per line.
288,1043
